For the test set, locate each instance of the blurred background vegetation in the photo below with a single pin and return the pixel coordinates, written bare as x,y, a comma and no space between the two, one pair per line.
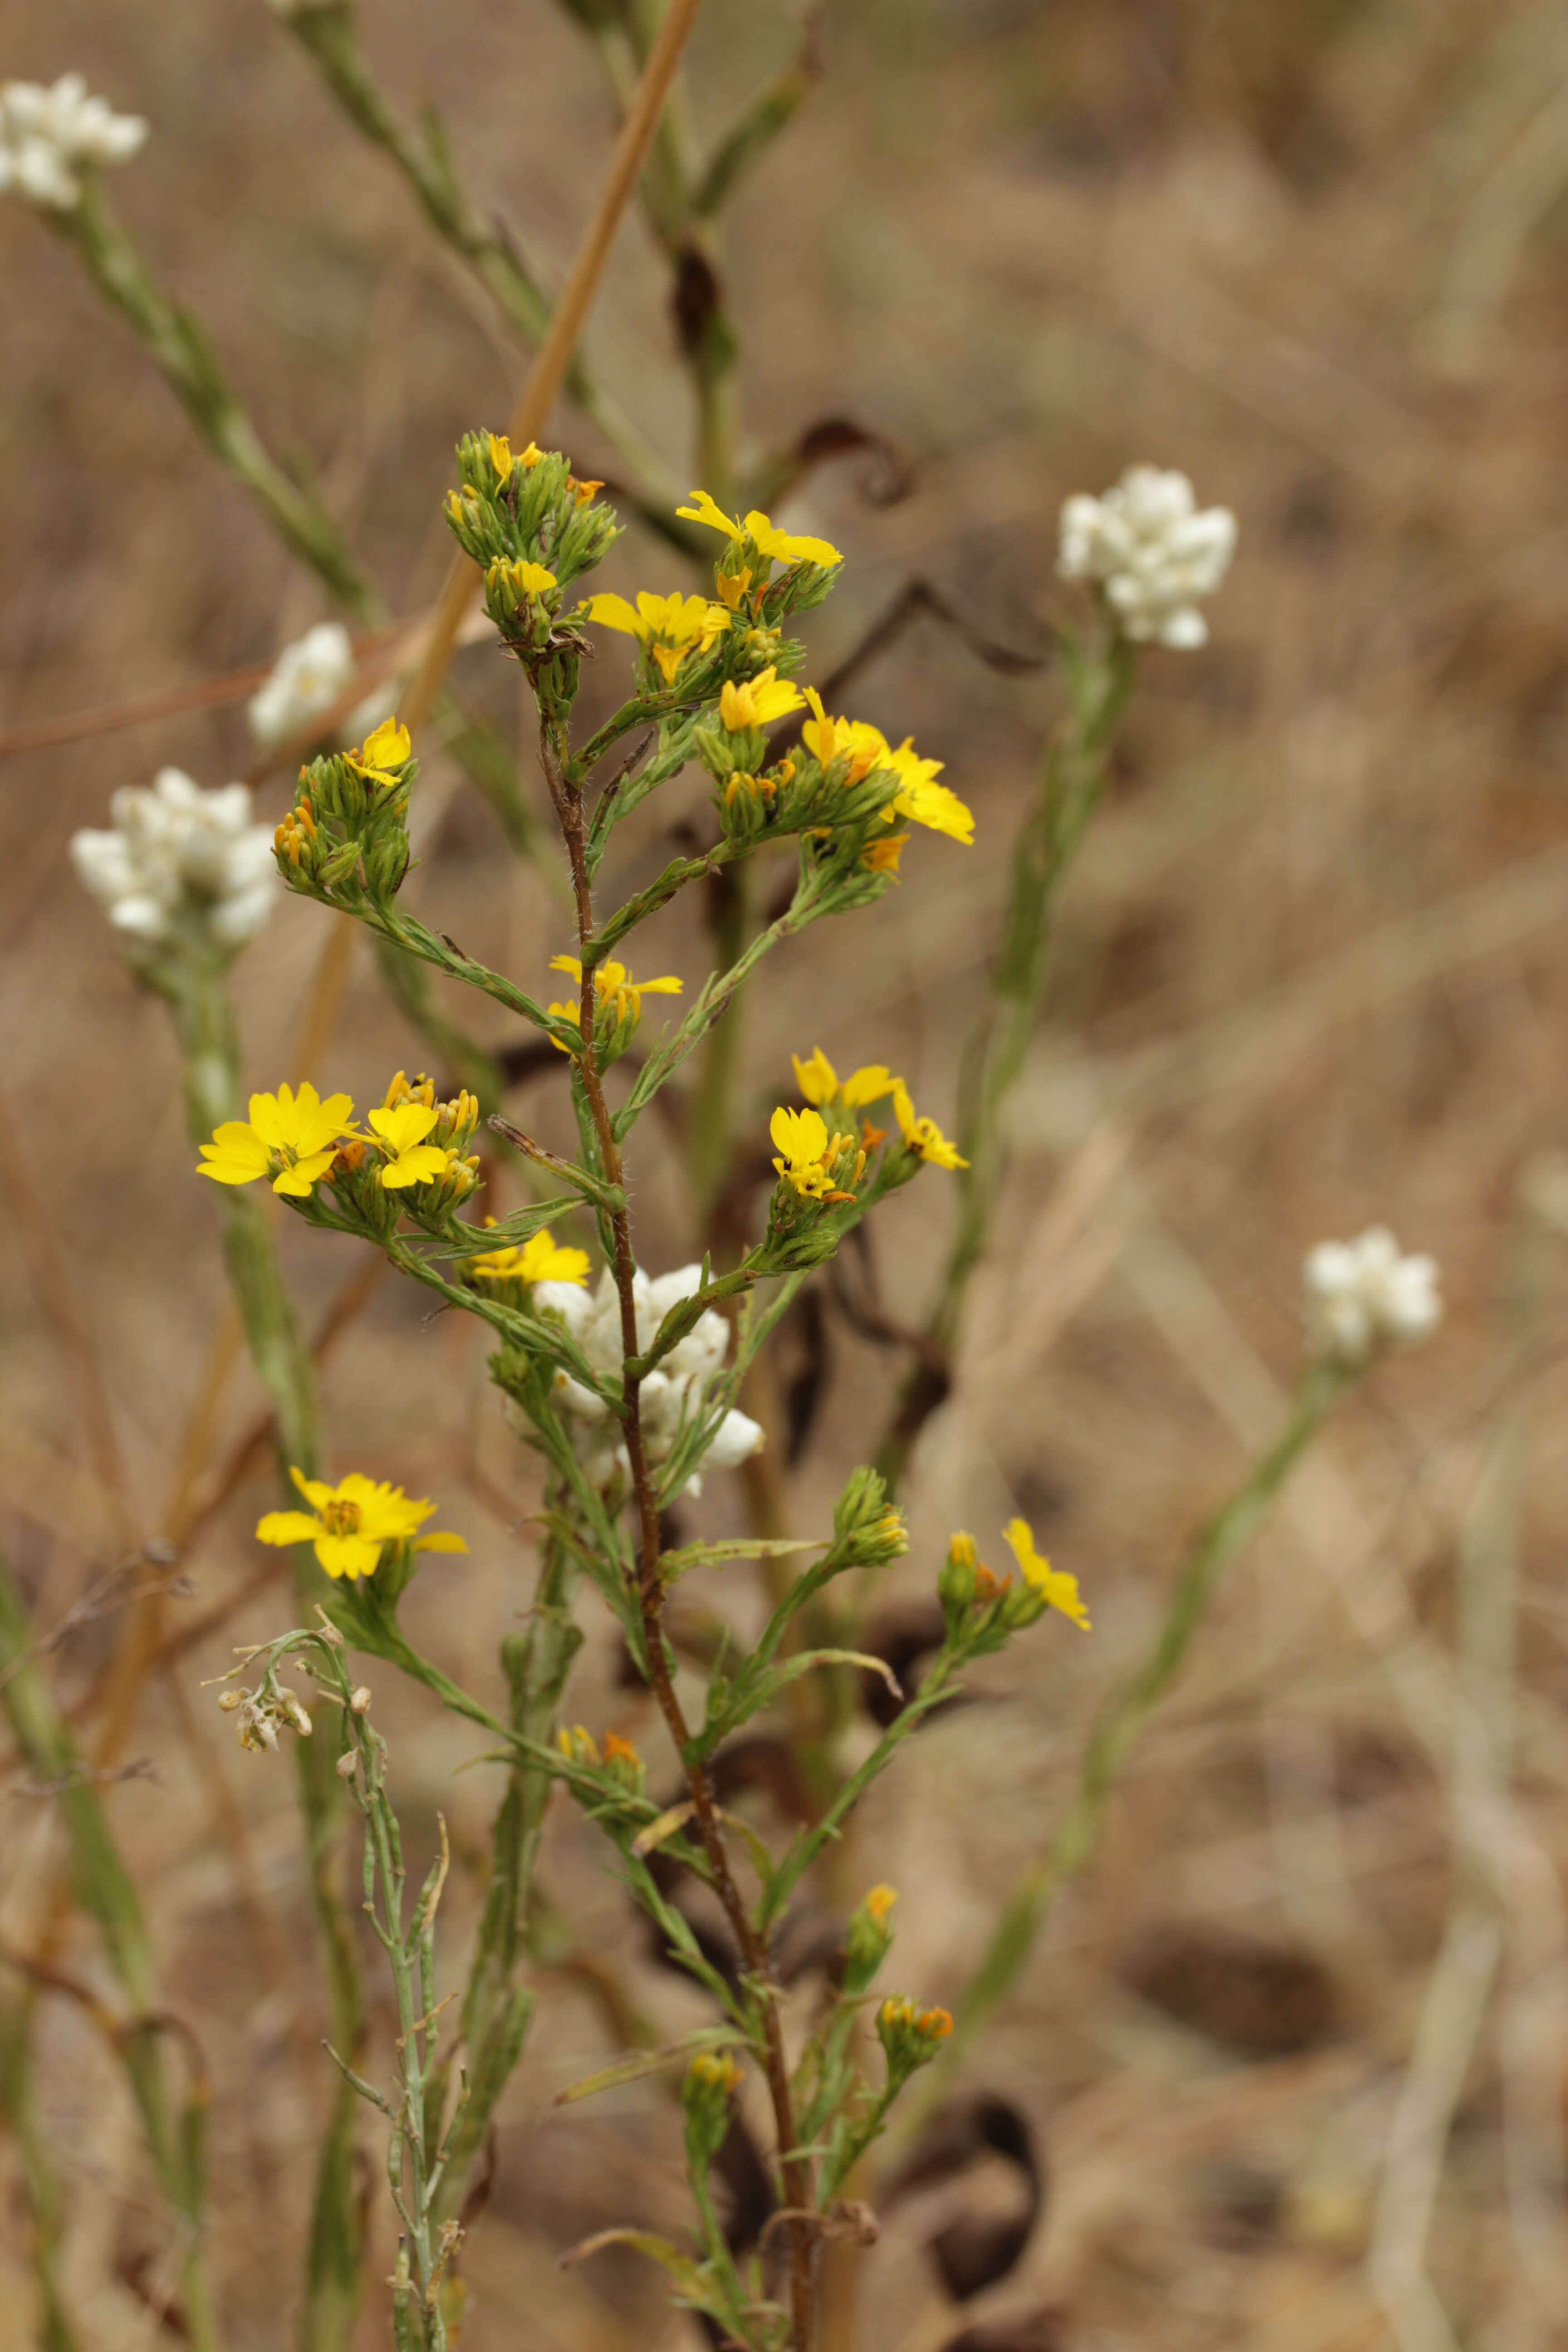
1312,972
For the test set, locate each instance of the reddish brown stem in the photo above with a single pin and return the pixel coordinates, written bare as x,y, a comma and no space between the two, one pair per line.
796,2168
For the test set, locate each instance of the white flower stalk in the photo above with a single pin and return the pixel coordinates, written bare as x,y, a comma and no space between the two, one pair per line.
670,1398
307,678
47,133
1151,551
1363,1294
179,855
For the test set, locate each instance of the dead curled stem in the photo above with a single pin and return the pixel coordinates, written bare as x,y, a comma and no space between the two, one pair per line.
796,2166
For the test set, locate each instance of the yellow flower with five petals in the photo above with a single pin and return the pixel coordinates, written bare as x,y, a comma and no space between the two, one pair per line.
292,1137
672,627
1055,1586
411,1161
349,1523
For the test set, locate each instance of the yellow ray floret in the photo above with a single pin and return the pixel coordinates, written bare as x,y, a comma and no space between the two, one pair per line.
923,1135
819,1082
817,1079
1056,1587
671,627
538,1259
291,1137
785,547
349,1523
412,1161
757,702
387,750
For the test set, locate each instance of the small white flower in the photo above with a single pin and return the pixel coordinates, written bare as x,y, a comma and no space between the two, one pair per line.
670,1398
1363,1294
44,133
307,678
177,853
1145,543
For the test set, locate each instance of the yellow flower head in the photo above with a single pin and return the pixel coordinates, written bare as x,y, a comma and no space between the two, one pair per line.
854,739
386,751
613,987
529,579
879,1902
1055,1586
756,703
292,1137
672,627
923,1135
409,1160
533,455
349,1523
809,1153
540,1259
922,799
780,546
500,457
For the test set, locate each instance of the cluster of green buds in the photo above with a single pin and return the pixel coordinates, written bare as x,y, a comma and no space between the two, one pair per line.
910,2037
867,1531
708,2095
868,1940
606,1782
532,527
346,837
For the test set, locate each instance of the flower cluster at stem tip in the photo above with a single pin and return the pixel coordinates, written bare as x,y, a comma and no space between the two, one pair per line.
1150,552
966,1586
1365,1294
48,134
812,1155
296,1137
180,859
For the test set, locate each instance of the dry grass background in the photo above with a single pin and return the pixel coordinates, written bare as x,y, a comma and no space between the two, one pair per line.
1313,971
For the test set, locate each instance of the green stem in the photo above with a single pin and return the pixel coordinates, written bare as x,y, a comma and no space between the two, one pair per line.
1122,1723
46,2199
209,1045
713,1109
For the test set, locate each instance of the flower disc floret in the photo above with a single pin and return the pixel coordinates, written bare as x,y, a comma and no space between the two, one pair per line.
292,1137
349,1525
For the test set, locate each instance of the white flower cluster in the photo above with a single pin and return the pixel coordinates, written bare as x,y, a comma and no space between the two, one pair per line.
1362,1294
670,1398
1153,552
44,133
175,849
308,678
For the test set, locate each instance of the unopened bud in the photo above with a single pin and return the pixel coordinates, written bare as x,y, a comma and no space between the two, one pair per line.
296,1714
346,1765
360,1702
229,1699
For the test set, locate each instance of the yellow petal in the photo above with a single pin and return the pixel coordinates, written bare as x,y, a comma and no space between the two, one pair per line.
314,1490
441,1539
868,1085
422,1164
705,511
405,1125
288,1528
615,613
501,455
350,1556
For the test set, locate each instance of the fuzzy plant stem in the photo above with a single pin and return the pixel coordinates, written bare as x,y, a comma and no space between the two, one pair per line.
1121,1724
796,2166
1100,679
103,1889
209,1045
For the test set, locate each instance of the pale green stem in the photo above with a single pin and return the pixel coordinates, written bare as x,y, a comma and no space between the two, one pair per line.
1123,1721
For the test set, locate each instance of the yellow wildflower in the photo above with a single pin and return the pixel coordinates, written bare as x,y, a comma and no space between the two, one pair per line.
919,796
500,457
879,1902
293,1138
349,1522
403,1130
613,985
783,546
533,455
819,1082
922,799
757,702
1056,1587
671,627
868,1085
582,491
533,578
882,856
386,750
540,1259
923,1135
817,1079
809,1153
